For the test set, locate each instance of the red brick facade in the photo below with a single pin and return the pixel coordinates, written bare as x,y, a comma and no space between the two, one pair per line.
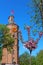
13,57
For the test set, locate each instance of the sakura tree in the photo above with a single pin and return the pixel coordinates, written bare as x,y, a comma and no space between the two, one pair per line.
31,44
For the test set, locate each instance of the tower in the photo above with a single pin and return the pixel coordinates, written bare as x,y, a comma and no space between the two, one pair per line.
12,58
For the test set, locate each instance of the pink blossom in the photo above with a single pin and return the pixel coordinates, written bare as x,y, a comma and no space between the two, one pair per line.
30,44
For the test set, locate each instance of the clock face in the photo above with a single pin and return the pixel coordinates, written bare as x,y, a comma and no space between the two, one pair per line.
14,29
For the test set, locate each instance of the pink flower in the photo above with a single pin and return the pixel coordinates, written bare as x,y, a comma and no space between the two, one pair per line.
34,47
31,44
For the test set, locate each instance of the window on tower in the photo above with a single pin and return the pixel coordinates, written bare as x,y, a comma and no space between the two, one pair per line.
13,35
11,19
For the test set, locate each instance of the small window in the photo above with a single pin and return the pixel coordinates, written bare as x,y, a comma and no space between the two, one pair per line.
13,35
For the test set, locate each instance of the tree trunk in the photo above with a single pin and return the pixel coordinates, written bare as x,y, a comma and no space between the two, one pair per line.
30,56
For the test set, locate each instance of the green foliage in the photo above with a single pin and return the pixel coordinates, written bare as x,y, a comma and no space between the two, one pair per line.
6,40
0,53
39,58
36,16
35,60
38,10
24,59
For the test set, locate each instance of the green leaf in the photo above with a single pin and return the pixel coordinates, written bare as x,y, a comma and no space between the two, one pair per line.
6,38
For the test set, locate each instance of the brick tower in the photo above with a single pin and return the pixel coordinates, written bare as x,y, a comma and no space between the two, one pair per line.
7,57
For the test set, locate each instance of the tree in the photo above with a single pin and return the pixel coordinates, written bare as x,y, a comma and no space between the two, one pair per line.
36,19
24,59
6,39
0,53
39,58
33,60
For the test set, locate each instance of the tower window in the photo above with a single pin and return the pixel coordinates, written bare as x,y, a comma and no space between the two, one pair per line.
13,35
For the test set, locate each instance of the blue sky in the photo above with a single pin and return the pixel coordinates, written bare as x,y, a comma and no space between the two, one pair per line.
21,18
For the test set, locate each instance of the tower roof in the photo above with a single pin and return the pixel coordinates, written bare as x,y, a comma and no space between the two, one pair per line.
11,20
11,16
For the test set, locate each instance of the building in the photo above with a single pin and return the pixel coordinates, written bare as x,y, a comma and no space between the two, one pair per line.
7,57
